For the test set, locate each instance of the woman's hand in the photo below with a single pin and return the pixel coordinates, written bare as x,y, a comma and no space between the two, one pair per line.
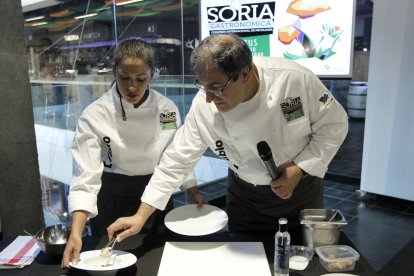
72,250
74,244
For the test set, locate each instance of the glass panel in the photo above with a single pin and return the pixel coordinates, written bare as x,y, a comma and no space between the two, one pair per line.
70,54
70,50
191,34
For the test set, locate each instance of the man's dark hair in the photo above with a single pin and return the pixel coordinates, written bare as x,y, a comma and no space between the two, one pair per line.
228,53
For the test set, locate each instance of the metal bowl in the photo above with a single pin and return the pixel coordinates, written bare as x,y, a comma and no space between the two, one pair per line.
52,239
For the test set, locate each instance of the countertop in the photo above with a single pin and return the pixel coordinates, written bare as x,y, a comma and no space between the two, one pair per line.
149,250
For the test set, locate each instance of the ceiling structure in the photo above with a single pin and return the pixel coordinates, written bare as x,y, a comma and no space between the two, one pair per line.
57,15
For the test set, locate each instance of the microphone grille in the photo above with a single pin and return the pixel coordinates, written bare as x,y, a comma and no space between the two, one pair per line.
264,150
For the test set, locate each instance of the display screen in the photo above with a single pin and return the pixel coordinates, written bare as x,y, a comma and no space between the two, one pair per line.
317,34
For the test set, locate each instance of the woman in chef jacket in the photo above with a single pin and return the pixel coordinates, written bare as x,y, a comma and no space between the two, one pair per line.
119,140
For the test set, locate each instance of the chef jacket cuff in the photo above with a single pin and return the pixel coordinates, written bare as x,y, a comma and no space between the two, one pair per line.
308,163
155,198
189,182
82,201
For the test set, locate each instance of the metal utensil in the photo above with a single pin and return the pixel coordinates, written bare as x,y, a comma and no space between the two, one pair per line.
107,250
108,263
33,236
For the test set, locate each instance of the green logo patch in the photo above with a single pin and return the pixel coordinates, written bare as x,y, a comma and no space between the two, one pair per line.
292,108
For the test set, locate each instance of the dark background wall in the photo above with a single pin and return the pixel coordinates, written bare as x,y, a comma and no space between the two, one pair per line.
20,191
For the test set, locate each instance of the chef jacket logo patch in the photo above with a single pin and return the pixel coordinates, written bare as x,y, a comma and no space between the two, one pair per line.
325,99
168,120
292,108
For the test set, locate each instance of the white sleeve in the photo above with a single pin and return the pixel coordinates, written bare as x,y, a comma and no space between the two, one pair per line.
329,125
176,164
189,182
87,169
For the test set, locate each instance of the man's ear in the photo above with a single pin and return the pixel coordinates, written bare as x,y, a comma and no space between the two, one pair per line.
114,70
245,74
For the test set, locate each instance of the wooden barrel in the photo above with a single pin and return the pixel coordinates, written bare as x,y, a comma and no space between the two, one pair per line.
357,99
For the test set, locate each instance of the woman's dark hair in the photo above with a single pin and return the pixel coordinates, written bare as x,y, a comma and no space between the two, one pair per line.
136,48
226,52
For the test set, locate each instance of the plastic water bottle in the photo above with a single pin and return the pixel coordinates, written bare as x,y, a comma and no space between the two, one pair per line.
282,245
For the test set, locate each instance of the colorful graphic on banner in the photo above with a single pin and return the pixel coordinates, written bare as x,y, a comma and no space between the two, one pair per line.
315,33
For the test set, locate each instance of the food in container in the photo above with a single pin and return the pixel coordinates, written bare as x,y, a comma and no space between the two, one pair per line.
300,256
337,258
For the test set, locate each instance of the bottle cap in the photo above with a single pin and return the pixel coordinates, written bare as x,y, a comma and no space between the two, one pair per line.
283,223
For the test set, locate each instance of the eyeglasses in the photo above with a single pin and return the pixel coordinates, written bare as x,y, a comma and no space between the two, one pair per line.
216,91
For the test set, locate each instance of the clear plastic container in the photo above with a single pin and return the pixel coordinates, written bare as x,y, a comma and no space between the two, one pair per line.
299,257
337,258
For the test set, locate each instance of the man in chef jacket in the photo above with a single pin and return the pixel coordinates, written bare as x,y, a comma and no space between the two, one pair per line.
242,101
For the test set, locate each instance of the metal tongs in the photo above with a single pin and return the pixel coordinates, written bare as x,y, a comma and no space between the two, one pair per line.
107,250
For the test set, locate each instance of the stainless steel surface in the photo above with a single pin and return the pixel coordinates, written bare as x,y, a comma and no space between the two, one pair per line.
331,218
52,239
317,230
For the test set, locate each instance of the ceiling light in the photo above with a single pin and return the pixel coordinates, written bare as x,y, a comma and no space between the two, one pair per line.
34,18
127,2
86,15
39,24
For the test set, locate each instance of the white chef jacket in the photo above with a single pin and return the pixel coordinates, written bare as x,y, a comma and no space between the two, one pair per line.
104,142
310,141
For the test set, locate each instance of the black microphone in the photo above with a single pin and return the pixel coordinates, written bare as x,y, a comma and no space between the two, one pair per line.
265,154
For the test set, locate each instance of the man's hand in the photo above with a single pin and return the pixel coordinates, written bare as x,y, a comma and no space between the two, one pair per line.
128,226
196,196
284,186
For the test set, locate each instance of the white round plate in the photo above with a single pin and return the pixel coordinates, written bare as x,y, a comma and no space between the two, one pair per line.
92,261
191,221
